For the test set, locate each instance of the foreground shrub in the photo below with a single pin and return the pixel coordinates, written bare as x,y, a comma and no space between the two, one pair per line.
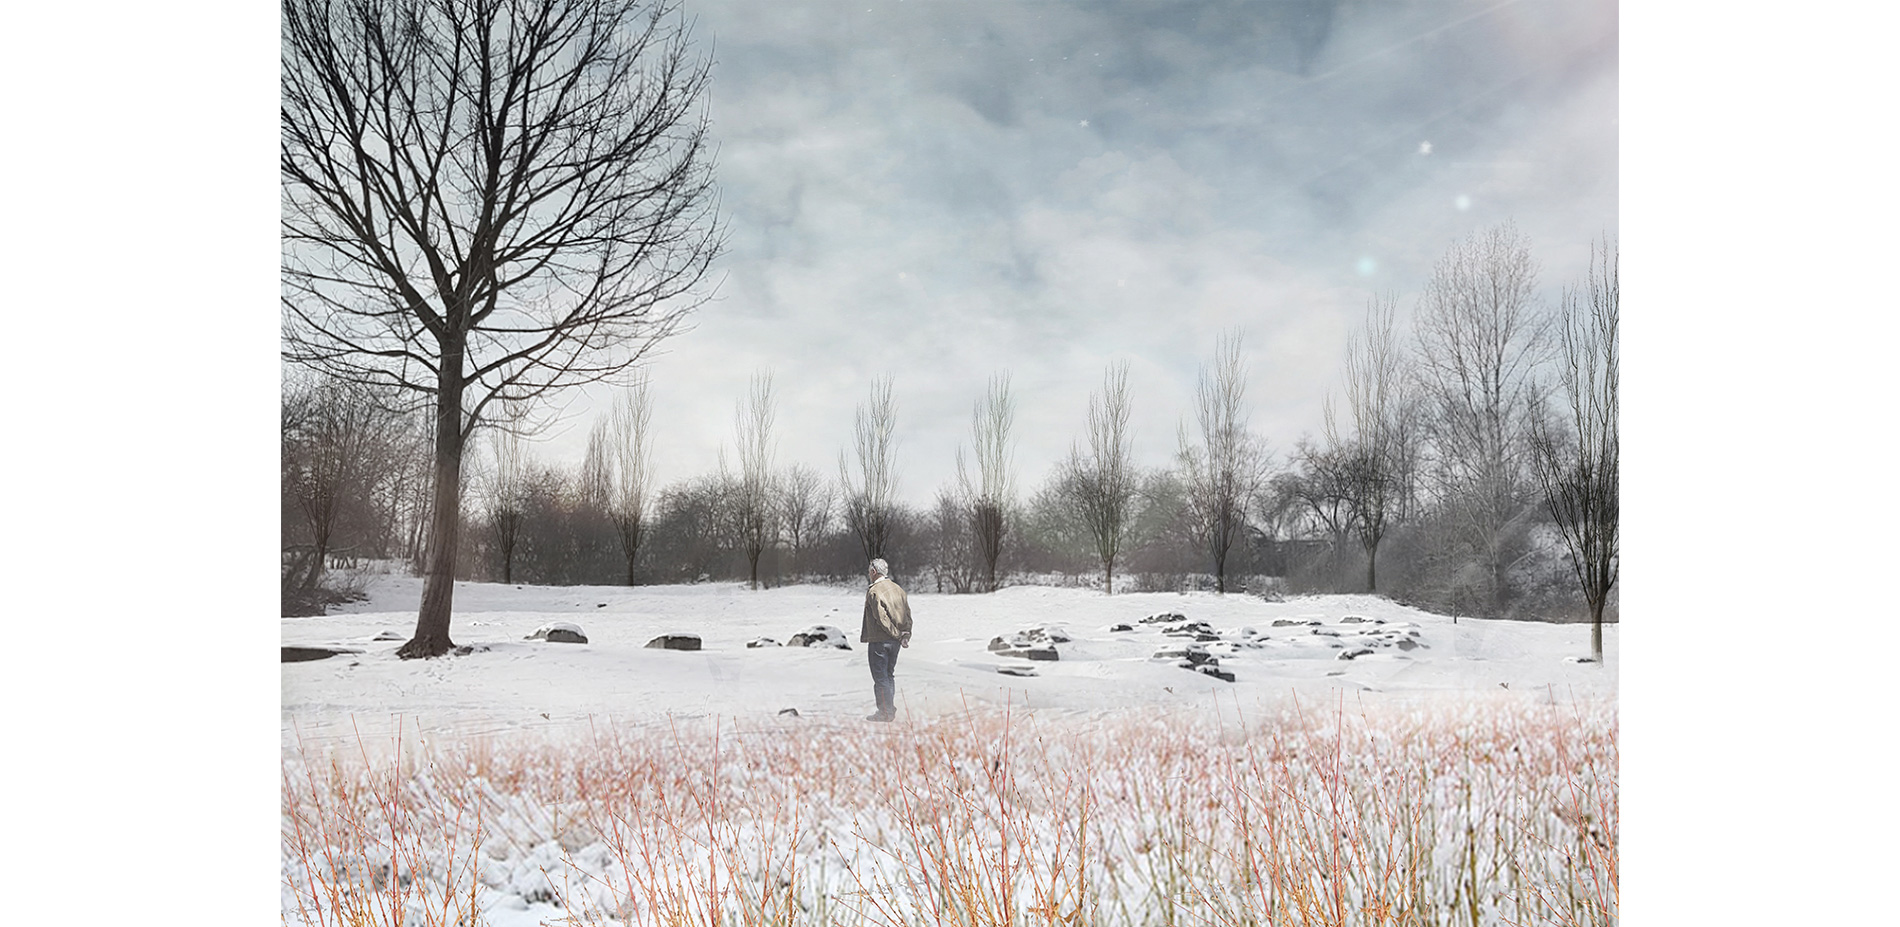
1469,812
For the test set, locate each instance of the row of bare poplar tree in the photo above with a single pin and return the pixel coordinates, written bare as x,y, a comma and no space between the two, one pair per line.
1469,467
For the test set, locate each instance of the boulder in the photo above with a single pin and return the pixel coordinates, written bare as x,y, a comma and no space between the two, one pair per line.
1033,644
1212,669
388,636
559,632
674,642
820,635
762,642
1355,654
1121,627
1190,655
1016,670
1164,618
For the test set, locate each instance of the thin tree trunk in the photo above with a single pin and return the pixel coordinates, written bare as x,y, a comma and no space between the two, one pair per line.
320,550
628,529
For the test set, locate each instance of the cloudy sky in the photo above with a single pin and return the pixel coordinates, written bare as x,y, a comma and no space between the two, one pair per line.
944,191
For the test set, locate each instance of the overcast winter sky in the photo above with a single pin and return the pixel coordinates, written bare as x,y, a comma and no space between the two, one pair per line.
948,190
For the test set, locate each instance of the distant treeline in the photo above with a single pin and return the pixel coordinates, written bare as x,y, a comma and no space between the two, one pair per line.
1441,480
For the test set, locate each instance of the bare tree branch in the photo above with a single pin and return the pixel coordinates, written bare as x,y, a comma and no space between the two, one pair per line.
990,497
869,501
1481,338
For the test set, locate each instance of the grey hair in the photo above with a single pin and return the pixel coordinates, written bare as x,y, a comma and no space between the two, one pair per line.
880,567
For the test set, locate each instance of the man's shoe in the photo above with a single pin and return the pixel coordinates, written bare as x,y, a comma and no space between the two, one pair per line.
879,716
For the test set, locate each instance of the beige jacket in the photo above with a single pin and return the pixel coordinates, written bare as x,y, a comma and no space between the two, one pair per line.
886,613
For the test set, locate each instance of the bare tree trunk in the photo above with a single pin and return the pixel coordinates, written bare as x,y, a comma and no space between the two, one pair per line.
438,588
630,542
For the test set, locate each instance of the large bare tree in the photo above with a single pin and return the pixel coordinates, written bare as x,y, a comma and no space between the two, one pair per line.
1378,456
991,494
1481,337
488,200
1227,468
870,500
632,441
754,499
1578,470
1100,483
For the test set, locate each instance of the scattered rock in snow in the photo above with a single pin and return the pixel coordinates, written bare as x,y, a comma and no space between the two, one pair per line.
820,635
761,642
1121,627
1211,669
1291,622
304,654
1352,619
1406,643
1192,654
788,712
1016,670
1027,651
1199,630
1355,654
388,636
559,632
1032,644
1164,618
674,642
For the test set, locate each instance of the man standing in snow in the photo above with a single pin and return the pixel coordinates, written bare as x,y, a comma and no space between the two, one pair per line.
886,629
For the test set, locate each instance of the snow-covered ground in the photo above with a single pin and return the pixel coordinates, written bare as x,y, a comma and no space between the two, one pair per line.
541,777
1273,650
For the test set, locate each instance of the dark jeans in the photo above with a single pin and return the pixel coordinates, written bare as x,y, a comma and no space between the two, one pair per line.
883,656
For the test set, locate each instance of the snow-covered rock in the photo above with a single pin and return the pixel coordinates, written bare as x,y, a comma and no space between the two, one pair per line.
559,632
820,635
674,642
